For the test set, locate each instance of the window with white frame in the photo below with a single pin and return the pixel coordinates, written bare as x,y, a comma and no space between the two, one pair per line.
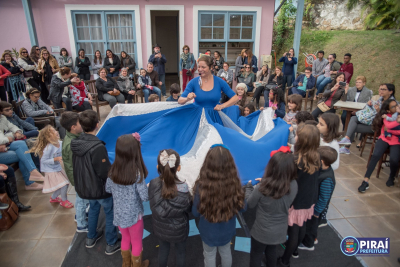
102,30
226,32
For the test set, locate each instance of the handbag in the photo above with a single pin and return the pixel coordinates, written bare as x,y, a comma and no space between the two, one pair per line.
188,73
115,94
76,69
28,74
323,107
248,81
8,216
367,114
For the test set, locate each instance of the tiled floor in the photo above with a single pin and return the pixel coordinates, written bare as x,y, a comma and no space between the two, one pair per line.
41,237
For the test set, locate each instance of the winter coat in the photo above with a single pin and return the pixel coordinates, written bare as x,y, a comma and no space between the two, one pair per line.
130,63
30,110
158,63
310,81
239,64
67,156
91,166
170,217
105,86
264,80
116,64
53,63
83,66
57,87
13,70
7,129
279,80
339,95
62,63
17,121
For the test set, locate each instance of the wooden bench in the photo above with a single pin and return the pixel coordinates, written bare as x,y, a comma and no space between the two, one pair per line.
40,122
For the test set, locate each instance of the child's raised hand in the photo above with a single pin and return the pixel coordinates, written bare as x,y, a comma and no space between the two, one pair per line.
273,107
262,108
258,179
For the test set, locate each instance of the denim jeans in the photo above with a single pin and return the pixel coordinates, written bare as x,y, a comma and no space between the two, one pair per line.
163,253
32,133
16,153
162,79
80,211
210,254
111,231
114,74
249,88
147,92
322,81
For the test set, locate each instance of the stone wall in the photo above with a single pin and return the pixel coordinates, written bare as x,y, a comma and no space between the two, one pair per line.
334,15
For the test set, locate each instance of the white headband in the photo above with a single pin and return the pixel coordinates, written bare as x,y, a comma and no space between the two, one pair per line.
164,159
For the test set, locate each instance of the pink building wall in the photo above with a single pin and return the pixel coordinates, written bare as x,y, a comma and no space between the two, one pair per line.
51,23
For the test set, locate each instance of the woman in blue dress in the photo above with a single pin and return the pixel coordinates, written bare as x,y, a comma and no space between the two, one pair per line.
192,128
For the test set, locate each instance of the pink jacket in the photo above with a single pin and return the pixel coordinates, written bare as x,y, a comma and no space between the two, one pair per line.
390,125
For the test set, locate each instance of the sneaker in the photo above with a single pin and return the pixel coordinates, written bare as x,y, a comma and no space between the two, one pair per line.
82,229
114,248
390,182
91,242
345,141
364,186
323,223
344,150
315,241
301,246
295,254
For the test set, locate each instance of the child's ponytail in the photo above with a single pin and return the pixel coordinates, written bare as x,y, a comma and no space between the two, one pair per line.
168,165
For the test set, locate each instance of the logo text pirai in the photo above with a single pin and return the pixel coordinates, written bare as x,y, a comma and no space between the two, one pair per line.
367,246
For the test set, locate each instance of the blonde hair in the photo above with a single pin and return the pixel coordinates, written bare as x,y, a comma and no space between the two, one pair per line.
242,52
361,78
42,141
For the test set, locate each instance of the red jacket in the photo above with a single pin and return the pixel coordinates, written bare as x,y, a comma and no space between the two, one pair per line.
390,125
348,71
3,74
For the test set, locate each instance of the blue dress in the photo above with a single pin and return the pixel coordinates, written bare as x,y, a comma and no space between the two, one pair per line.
191,129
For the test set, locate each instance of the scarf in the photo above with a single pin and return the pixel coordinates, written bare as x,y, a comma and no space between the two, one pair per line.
127,82
65,59
185,57
66,89
48,72
246,74
28,60
82,89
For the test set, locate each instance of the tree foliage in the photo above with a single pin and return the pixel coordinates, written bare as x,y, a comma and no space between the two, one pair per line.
382,14
284,23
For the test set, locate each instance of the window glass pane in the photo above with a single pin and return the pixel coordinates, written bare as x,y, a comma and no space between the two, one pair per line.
87,47
247,20
128,47
90,57
218,33
95,20
206,20
219,20
113,34
206,33
115,47
112,20
234,33
213,46
98,46
127,33
235,20
83,34
234,50
247,33
126,20
97,33
81,20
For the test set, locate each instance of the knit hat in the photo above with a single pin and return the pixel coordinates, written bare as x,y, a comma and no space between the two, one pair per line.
242,85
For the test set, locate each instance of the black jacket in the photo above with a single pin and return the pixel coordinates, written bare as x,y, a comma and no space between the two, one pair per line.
279,80
83,66
13,70
116,63
170,217
91,166
57,89
105,86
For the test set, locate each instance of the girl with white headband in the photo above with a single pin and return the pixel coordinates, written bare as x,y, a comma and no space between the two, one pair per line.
170,203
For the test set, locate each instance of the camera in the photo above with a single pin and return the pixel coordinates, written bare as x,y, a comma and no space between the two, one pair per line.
288,54
342,83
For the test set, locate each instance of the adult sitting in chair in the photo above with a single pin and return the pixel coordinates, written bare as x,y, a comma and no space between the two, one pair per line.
59,88
275,81
330,72
126,85
247,77
226,74
7,178
262,78
302,83
108,89
80,98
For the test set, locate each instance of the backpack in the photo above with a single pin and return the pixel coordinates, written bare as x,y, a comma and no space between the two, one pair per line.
8,216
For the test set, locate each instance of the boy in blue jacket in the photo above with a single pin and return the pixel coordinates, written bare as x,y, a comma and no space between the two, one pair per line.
302,83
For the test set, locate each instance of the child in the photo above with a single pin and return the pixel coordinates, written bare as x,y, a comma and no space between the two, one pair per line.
241,92
70,121
91,165
308,164
48,147
146,84
174,91
276,102
394,117
218,197
248,109
81,100
127,185
28,125
170,203
326,181
300,117
294,105
328,126
272,197
153,98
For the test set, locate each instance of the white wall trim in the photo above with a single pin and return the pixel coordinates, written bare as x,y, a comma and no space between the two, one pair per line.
179,8
68,14
239,9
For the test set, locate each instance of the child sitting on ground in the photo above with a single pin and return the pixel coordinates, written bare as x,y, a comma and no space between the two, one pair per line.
170,203
174,91
294,105
276,101
248,109
48,147
127,185
153,98
81,100
326,181
394,117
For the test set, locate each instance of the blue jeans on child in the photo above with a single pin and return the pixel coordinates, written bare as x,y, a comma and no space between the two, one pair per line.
16,153
80,211
295,91
147,93
389,135
33,133
322,81
111,231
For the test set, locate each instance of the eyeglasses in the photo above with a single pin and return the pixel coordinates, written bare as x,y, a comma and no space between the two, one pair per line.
36,96
44,53
24,52
308,72
247,67
382,89
185,49
37,49
7,109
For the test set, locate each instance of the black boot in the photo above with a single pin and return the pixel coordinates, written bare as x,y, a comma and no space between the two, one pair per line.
11,187
257,104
